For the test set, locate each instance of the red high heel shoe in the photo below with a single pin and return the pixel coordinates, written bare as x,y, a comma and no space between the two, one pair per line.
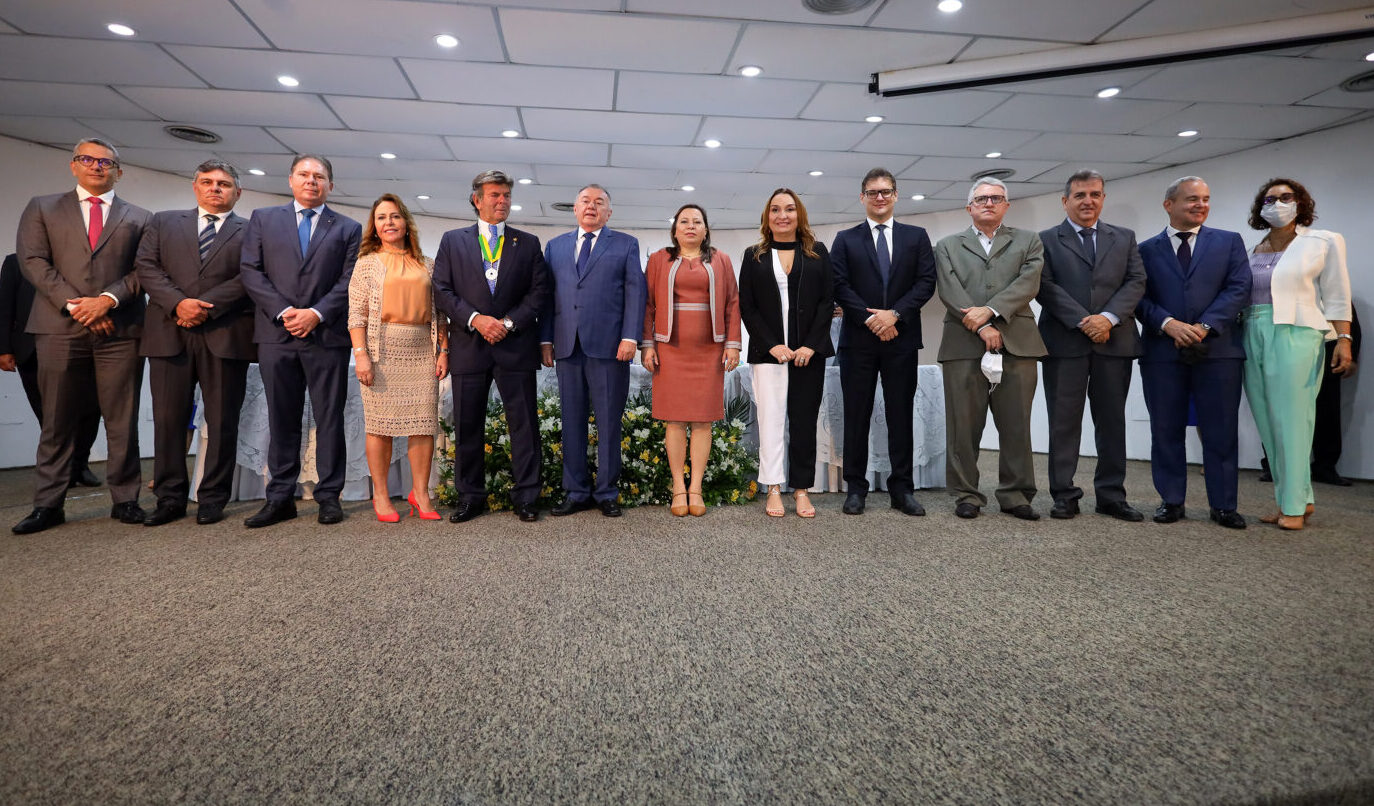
432,515
394,517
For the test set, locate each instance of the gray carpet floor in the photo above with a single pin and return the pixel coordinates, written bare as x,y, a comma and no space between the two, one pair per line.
727,659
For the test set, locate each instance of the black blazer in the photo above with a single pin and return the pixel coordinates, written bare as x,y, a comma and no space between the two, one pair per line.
810,300
1072,288
858,285
16,300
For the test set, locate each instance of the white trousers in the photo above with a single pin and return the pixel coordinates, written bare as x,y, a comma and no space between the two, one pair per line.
770,402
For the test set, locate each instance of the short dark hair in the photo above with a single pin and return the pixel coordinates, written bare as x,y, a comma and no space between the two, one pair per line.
218,165
1085,175
877,173
706,251
1307,207
96,141
492,177
328,166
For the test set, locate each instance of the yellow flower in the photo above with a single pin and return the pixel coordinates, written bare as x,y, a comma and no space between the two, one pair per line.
488,448
644,456
753,488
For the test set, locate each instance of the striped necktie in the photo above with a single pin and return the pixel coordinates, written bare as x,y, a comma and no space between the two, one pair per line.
207,236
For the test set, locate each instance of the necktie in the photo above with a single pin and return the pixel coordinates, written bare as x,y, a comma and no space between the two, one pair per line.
207,236
1089,248
1185,252
584,255
303,230
884,258
97,221
492,241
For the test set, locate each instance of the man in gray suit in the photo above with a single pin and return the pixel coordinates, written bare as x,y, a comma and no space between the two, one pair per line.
1092,280
77,248
199,329
987,276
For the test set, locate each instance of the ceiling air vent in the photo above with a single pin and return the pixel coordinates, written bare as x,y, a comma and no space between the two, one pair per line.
192,134
562,207
836,6
1364,82
994,173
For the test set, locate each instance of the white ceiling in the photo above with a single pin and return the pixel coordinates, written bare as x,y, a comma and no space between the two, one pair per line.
625,92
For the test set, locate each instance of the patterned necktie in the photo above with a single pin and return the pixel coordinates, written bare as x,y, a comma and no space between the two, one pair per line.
303,230
1089,248
207,236
884,258
97,221
492,241
584,255
1185,252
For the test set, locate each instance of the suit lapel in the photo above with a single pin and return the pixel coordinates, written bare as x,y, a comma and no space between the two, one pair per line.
471,249
603,242
969,240
71,210
226,233
1200,245
1072,241
117,210
1106,239
866,237
321,232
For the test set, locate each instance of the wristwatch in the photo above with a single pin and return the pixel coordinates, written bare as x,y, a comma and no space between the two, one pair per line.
1345,336
508,323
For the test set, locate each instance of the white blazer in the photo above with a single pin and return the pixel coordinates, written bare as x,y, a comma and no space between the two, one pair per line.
1310,285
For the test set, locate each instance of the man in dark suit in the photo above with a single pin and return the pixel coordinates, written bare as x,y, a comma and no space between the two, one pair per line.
593,325
884,271
199,329
492,282
296,263
1089,288
1197,280
17,354
77,249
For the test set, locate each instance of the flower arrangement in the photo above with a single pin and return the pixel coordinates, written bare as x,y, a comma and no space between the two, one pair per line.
644,475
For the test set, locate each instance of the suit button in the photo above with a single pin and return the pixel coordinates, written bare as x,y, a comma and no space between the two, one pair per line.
989,286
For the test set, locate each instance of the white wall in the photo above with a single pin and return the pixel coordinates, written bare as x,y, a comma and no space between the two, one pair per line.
1334,165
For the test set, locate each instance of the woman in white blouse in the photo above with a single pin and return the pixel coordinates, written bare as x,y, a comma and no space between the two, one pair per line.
1300,299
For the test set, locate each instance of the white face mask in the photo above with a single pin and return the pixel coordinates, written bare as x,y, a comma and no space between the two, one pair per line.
1279,214
992,368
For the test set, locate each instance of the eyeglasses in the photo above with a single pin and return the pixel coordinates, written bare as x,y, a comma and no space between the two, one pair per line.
104,162
880,193
1285,198
979,201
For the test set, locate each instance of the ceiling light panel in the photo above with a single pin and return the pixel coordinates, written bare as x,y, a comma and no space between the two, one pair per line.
1057,20
761,133
499,149
423,117
612,127
355,27
472,83
841,55
950,141
1053,113
687,157
226,106
196,22
89,100
1243,79
1248,121
633,43
775,10
326,73
852,102
150,134
363,144
120,62
712,95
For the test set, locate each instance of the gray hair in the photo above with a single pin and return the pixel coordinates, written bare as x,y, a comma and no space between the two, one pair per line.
987,180
1085,175
328,166
1172,190
492,177
95,141
218,165
595,186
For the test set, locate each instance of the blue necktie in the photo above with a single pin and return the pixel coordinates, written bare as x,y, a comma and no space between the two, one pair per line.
303,230
207,236
884,259
491,247
584,255
1089,247
1185,252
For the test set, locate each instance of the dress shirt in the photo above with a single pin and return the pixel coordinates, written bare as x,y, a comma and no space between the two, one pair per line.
82,195
201,213
483,232
1110,317
986,242
314,222
1173,239
873,233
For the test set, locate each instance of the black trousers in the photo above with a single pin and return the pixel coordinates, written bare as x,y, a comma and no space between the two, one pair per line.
518,395
859,373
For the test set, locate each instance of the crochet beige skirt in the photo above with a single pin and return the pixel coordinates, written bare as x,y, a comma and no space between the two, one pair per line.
403,399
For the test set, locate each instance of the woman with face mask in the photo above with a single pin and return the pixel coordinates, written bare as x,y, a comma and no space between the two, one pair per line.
1300,299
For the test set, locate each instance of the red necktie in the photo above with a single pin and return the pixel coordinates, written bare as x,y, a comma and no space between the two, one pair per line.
97,221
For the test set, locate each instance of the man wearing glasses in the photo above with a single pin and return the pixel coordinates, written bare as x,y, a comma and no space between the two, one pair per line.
988,274
78,248
884,272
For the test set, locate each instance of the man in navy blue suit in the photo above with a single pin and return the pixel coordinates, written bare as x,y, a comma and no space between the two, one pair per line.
592,328
296,264
1197,282
884,271
492,282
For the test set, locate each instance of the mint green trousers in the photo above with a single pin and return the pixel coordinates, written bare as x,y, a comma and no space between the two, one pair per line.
1283,371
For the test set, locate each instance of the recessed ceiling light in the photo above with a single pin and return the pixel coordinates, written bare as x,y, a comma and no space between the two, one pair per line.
1108,92
1188,133
1369,57
873,119
949,6
515,208
689,188
510,133
524,180
919,197
257,172
750,70
387,155
446,41
120,29
992,155
712,143
816,173
422,197
288,81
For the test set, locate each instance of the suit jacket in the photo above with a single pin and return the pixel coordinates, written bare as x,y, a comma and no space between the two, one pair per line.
522,294
603,306
1072,288
56,256
858,286
16,301
1005,280
1310,284
277,277
170,270
1212,289
810,301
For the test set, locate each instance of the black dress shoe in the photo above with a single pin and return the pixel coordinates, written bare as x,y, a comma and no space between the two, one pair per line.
1265,474
526,513
1328,475
466,511
1065,508
128,512
1022,511
1229,518
83,477
164,513
1121,510
41,518
610,508
854,504
1168,513
966,510
570,507
908,504
271,512
330,512
207,514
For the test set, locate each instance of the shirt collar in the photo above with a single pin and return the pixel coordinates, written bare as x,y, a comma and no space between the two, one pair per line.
872,223
1173,233
980,234
83,194
596,233
201,213
299,207
1076,228
484,227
